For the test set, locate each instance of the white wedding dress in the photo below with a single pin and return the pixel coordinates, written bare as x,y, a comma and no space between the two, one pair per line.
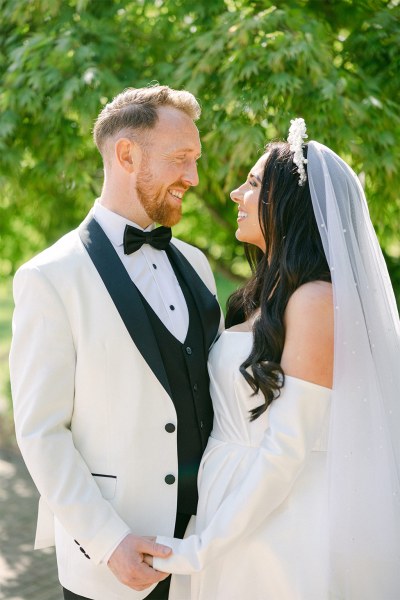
261,526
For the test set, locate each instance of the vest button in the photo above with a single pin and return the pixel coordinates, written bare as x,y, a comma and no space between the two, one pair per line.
188,350
195,387
169,479
170,427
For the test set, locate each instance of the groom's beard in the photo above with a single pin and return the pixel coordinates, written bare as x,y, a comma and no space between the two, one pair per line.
156,200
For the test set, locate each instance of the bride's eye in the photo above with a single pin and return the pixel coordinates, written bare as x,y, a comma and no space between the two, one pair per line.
253,183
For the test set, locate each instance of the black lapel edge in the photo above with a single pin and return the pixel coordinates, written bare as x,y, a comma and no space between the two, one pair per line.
124,294
206,302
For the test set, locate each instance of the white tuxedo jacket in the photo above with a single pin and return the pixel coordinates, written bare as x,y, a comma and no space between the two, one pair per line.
91,403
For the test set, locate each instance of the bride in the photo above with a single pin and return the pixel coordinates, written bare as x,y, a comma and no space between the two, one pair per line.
299,484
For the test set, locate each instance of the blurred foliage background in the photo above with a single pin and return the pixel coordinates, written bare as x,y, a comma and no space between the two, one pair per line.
253,65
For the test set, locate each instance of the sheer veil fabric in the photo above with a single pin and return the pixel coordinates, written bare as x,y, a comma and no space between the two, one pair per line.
364,443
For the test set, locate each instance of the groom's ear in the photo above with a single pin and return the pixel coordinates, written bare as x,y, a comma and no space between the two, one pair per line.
128,155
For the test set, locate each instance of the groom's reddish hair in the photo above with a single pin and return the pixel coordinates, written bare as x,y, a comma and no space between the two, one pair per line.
135,110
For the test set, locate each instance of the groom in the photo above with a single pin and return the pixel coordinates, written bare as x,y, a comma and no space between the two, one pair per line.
111,332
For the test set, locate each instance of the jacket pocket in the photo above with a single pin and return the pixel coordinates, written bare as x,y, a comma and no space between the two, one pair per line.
106,484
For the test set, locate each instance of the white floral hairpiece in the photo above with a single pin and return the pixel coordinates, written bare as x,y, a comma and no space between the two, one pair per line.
297,133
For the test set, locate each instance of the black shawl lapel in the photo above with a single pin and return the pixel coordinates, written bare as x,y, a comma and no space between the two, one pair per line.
124,294
207,305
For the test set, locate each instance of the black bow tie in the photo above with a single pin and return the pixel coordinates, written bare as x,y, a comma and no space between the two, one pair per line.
135,238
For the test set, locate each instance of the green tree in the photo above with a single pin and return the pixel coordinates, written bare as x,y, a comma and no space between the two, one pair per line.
254,65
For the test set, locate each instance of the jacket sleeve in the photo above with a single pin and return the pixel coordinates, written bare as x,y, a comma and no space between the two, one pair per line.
296,419
42,368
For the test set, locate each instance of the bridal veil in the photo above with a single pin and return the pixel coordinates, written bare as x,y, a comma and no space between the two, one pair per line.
364,444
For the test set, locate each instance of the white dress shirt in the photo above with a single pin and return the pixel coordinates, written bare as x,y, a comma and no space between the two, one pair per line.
151,272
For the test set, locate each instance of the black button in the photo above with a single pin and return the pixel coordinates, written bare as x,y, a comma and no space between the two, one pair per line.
82,549
195,387
188,350
170,479
172,307
201,425
154,266
170,427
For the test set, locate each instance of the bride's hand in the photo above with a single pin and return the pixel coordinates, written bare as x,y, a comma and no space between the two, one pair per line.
148,559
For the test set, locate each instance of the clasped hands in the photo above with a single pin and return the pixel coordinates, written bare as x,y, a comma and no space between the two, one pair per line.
131,562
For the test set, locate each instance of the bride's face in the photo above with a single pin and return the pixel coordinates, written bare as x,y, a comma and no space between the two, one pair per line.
247,197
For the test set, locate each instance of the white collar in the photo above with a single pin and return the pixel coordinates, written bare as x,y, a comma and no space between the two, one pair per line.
113,224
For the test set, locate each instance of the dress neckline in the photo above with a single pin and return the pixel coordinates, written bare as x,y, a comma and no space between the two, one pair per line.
290,377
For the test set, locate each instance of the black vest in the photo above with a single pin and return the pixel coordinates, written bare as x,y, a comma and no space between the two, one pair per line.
186,368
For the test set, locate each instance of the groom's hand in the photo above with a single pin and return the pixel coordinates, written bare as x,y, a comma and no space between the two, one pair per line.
127,562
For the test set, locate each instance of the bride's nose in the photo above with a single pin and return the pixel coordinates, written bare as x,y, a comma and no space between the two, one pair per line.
236,195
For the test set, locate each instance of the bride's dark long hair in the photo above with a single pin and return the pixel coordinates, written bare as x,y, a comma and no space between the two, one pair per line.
294,255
